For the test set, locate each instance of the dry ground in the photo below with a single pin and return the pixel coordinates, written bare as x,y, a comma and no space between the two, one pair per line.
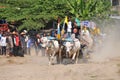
37,68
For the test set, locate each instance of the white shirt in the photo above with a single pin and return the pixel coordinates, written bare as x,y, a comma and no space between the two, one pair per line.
69,26
3,41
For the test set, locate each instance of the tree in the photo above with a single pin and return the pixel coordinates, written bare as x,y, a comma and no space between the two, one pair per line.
88,9
32,14
35,14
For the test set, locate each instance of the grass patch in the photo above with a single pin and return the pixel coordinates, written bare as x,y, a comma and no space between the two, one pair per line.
118,65
118,72
119,68
10,61
93,76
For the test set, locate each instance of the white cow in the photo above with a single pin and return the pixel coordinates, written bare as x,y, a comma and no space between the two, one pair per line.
44,41
51,46
73,48
52,50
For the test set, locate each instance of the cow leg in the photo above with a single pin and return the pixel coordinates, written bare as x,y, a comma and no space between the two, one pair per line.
73,57
77,55
67,54
52,57
49,62
58,57
49,59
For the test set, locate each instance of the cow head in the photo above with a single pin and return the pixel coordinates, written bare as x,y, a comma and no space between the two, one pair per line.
68,46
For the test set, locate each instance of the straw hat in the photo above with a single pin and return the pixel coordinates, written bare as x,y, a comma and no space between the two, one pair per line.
22,33
25,31
13,32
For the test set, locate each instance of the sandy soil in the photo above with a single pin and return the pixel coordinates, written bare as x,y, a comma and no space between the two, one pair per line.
37,68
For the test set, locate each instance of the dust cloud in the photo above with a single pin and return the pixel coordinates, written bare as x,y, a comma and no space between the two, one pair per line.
110,46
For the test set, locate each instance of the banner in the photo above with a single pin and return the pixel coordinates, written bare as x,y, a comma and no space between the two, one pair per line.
63,28
58,31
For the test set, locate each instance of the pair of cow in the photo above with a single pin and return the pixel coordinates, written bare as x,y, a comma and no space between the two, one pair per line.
68,48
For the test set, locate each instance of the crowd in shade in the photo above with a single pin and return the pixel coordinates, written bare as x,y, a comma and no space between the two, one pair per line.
14,43
18,43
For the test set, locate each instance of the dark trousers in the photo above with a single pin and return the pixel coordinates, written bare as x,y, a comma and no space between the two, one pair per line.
23,50
0,50
16,50
11,51
4,50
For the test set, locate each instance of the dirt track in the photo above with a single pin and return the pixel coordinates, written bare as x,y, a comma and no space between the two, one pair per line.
37,68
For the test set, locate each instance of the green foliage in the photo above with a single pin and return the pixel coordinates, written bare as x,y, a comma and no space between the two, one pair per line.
88,9
35,14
